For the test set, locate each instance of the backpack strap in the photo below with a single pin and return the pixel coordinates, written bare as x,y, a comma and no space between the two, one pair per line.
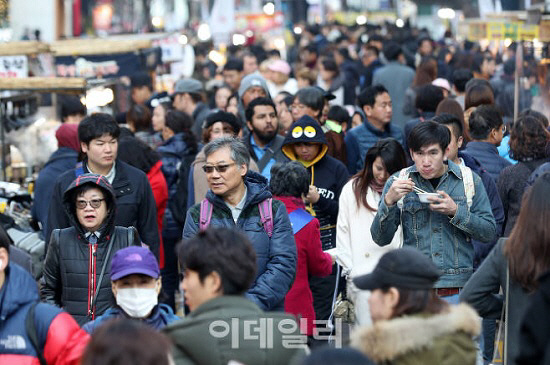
469,186
30,327
266,215
403,175
205,214
79,169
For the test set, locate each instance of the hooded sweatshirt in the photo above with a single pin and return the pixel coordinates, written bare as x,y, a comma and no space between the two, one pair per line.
327,174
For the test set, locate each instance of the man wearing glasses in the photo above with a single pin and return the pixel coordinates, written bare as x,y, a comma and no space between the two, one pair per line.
234,200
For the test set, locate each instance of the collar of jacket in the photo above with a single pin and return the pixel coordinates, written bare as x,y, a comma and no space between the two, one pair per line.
482,147
377,132
452,167
257,192
471,162
225,302
388,340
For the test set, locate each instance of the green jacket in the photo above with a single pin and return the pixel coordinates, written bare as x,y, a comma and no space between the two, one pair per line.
233,328
443,339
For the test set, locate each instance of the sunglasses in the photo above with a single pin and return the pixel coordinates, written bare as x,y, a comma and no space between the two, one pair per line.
219,168
94,203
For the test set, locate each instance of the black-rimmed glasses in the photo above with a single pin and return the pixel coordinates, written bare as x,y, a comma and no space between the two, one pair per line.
219,168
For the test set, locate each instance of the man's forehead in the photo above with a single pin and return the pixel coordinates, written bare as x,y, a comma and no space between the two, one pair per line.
382,97
263,109
221,155
430,148
105,137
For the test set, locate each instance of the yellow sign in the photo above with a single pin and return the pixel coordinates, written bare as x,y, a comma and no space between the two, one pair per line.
528,32
495,31
544,31
511,30
477,31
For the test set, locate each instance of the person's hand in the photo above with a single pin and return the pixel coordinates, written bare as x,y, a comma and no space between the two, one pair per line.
333,259
444,204
398,189
312,195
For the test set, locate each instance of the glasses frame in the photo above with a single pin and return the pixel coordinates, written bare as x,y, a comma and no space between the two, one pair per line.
92,203
208,169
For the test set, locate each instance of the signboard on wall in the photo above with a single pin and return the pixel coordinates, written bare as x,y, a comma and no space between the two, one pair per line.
14,67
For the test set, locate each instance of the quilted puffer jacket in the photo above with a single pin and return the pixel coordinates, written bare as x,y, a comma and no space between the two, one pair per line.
73,265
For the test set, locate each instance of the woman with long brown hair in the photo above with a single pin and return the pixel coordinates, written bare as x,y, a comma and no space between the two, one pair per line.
514,265
425,74
358,203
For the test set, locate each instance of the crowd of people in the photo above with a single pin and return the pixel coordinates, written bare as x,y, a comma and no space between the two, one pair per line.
382,175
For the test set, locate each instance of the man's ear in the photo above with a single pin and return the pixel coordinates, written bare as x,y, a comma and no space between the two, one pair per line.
113,288
243,170
368,110
459,142
249,125
213,283
393,297
84,147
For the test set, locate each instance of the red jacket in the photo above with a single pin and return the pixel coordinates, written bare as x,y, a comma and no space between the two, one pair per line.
311,261
160,192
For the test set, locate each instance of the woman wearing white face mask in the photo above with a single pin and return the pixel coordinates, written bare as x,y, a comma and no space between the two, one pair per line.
136,284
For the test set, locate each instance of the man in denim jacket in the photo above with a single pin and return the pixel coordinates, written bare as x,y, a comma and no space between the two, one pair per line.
444,228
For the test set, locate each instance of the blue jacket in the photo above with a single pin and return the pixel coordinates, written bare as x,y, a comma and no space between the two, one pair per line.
448,241
359,139
58,334
481,250
276,257
60,161
171,153
487,154
161,316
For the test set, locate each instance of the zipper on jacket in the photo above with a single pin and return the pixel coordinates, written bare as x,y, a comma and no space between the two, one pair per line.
93,250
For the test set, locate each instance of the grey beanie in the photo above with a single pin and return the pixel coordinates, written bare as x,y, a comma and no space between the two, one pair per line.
252,80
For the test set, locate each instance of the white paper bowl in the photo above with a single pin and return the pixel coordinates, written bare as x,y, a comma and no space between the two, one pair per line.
424,197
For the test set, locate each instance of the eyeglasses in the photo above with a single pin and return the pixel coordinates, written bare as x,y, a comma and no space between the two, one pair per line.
219,168
94,203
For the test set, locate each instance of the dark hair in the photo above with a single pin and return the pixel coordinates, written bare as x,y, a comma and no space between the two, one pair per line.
529,137
478,60
233,64
484,119
422,39
392,154
311,48
273,52
141,79
428,133
330,65
71,105
428,98
124,341
451,106
225,251
426,72
5,239
392,50
249,112
340,115
417,301
226,127
344,52
478,92
137,153
460,77
97,125
289,179
139,117
369,94
527,249
509,67
180,122
453,121
312,97
373,49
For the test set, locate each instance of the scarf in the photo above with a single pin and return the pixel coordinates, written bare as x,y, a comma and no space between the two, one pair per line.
379,188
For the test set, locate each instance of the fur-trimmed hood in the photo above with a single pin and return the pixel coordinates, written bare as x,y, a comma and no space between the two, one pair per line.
388,340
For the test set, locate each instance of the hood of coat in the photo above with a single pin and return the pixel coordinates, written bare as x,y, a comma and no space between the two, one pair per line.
388,340
101,183
307,130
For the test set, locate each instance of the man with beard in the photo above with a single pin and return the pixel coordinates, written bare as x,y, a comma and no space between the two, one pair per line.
263,142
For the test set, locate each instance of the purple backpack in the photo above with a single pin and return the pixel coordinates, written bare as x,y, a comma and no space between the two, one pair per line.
266,215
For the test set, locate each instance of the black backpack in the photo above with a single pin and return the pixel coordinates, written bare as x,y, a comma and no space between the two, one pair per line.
178,203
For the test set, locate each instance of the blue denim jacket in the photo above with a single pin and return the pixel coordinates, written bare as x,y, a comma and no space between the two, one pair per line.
448,241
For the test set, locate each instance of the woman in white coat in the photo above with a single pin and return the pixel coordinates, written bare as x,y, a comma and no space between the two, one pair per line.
356,251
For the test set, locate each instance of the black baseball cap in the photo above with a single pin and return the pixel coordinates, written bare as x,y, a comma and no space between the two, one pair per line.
405,268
